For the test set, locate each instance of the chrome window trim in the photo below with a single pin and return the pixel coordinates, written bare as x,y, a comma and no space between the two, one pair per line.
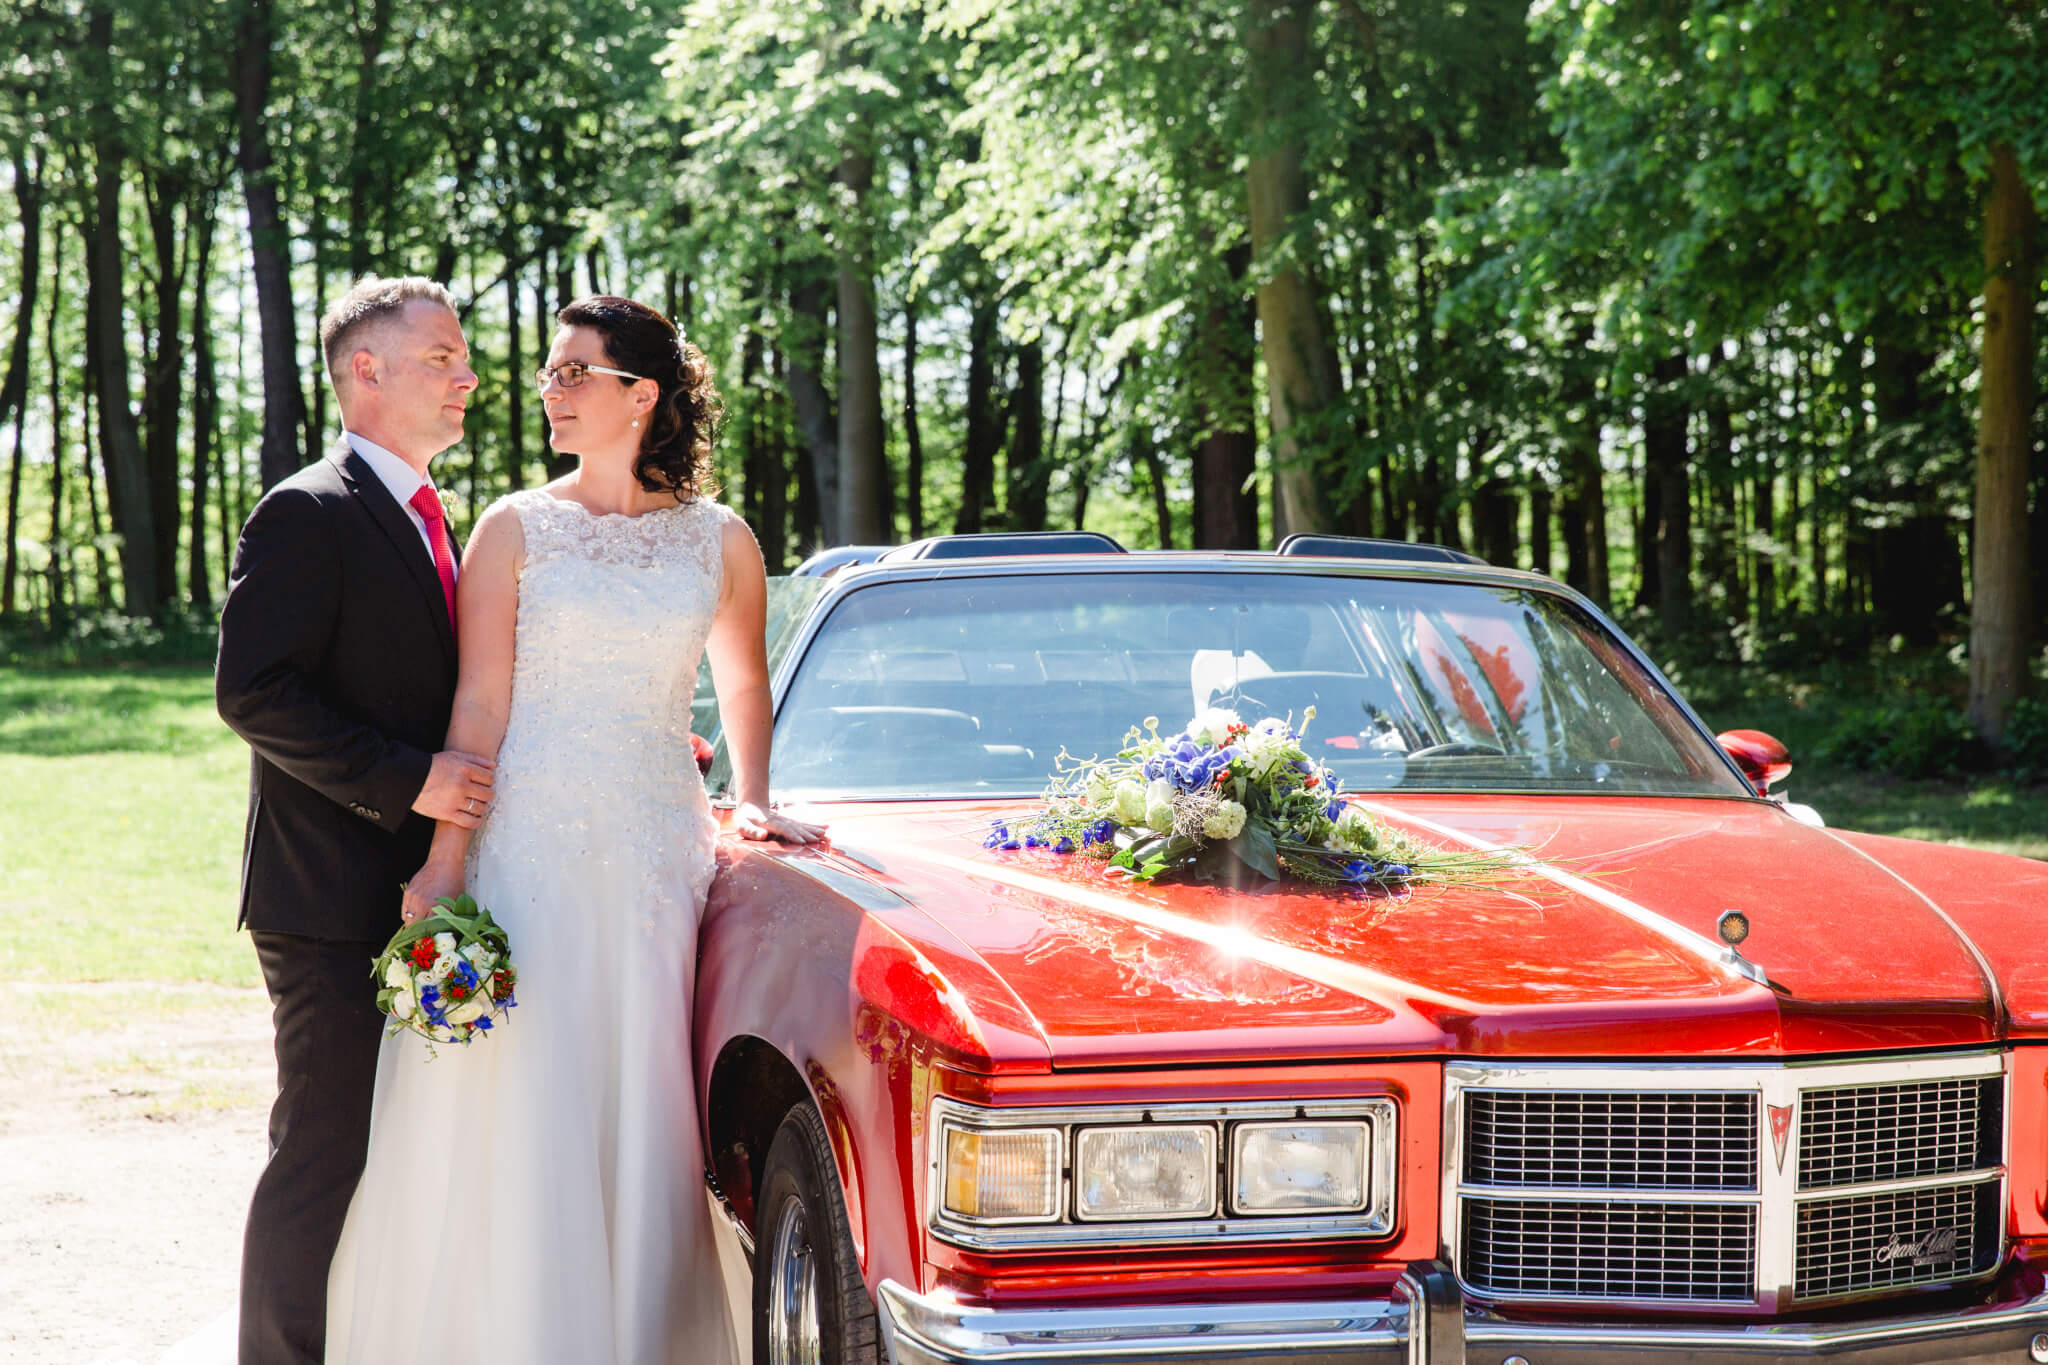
1777,1197
1379,1112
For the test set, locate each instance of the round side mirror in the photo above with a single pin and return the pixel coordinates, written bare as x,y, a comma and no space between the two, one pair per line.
1763,758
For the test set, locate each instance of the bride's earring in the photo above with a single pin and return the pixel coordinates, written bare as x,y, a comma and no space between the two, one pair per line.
636,424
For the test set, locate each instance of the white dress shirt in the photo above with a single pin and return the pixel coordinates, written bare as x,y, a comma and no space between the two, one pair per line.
403,481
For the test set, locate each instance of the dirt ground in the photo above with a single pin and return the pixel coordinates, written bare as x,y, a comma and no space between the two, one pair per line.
131,1132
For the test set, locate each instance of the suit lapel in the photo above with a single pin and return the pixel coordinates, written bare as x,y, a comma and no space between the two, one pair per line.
399,530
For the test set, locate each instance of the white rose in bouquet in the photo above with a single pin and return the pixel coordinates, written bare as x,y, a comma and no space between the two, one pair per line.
397,974
1213,726
471,1009
403,1005
1225,822
1130,803
1159,805
1354,832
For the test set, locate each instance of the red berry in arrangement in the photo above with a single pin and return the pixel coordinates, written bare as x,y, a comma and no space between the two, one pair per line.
1311,780
423,954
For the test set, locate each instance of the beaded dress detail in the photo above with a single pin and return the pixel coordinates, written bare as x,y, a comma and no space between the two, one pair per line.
538,1196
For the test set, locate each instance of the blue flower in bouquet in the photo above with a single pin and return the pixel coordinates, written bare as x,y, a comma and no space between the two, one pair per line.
1188,764
1101,832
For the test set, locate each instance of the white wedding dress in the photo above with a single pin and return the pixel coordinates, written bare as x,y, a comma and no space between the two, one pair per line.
537,1197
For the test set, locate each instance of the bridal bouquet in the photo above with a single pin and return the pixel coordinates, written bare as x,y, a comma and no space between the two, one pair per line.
447,977
1222,793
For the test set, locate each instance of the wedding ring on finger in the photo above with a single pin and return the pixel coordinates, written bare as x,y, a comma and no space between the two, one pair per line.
469,806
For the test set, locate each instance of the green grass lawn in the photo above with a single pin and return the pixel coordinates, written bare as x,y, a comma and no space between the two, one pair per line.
122,799
121,806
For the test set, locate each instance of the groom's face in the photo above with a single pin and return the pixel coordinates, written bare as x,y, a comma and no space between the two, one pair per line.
423,377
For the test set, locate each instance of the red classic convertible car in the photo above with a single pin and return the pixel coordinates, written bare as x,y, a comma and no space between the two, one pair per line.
1701,1082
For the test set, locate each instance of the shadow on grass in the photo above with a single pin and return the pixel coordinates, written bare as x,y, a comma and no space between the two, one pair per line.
59,713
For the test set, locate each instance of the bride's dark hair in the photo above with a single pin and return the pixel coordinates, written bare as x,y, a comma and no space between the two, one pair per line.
675,449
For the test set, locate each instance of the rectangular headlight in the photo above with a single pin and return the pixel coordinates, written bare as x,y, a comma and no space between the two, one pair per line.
1300,1167
1009,1175
1150,1170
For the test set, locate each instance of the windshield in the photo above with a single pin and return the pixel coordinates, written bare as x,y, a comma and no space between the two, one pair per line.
789,601
974,685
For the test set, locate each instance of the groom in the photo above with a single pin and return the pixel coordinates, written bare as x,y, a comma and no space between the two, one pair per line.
337,665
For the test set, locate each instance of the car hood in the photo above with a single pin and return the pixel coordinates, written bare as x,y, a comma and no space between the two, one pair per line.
1606,947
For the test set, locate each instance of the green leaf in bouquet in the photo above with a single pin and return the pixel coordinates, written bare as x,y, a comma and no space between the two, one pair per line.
1254,847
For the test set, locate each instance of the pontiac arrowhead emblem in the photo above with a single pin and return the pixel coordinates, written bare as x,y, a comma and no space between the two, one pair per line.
1781,1129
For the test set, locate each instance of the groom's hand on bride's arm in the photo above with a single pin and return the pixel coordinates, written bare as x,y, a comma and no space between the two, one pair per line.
458,789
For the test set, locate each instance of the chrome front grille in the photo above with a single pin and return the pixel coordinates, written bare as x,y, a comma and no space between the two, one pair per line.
1735,1185
1576,1249
1862,1135
1862,1242
1656,1141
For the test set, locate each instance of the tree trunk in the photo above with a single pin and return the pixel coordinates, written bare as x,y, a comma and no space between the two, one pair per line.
1541,501
752,428
205,409
121,447
1145,454
1493,521
269,249
515,389
1669,470
365,123
978,458
812,402
28,194
1912,568
1585,502
867,514
316,424
2001,609
913,438
163,381
1301,366
60,558
1226,505
775,508
1025,463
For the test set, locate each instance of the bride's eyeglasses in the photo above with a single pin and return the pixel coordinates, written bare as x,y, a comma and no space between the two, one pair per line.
574,373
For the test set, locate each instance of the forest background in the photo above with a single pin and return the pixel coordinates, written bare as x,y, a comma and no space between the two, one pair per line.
1722,311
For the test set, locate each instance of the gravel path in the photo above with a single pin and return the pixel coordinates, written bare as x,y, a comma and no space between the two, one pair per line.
131,1132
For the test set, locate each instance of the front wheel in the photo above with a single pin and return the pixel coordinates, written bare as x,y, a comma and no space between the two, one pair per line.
810,1306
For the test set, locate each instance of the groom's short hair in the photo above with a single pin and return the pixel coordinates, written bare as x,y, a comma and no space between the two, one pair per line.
370,302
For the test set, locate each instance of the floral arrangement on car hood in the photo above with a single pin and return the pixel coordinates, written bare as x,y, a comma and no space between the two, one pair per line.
1223,792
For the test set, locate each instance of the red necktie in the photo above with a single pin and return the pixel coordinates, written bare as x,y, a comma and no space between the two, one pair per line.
427,503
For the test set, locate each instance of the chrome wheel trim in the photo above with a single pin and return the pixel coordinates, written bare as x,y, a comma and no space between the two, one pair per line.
794,1337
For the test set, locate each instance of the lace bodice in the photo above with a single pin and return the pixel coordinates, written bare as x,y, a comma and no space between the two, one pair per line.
613,614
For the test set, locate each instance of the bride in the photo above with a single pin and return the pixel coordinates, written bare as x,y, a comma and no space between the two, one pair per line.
538,1197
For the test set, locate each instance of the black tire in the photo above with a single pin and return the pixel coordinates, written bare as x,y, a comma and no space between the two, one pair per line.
810,1305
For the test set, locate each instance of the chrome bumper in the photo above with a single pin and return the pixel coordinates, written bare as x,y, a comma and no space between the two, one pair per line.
1425,1322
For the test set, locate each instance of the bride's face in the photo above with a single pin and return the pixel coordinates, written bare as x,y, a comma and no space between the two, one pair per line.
596,415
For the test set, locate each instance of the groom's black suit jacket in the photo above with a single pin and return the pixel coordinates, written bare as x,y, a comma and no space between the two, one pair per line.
337,665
